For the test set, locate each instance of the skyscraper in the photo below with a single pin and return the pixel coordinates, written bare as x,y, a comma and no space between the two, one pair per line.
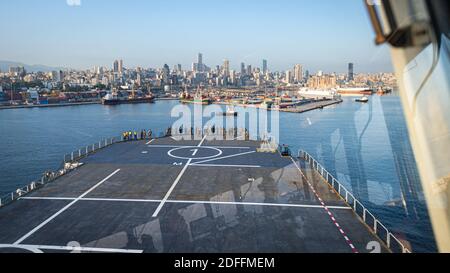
166,74
200,67
226,67
233,76
116,66
289,76
351,75
120,67
298,73
264,67
249,70
200,58
243,72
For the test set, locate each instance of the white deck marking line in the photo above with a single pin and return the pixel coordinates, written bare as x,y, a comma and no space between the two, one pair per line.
73,248
175,183
326,208
179,146
224,157
23,238
48,198
149,142
192,202
158,209
201,142
219,165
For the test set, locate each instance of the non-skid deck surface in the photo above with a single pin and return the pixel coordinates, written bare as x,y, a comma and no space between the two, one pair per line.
184,196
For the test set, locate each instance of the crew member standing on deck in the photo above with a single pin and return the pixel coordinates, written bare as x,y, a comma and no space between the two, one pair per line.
135,135
144,133
149,133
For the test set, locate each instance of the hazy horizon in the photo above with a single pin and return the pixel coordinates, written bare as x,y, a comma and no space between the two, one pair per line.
321,35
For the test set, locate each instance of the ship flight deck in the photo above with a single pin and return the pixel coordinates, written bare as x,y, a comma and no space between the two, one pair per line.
199,196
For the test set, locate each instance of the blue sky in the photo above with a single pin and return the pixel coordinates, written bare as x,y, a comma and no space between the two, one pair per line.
320,34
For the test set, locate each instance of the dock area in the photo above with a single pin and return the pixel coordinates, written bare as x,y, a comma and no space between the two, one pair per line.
189,196
312,106
297,109
7,107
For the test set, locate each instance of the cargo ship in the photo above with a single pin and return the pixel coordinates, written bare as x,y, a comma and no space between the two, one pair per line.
355,91
114,98
198,99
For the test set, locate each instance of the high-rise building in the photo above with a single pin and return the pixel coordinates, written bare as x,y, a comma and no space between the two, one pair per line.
249,70
351,75
264,67
18,71
166,74
298,73
288,76
56,76
120,66
200,58
226,67
243,72
233,77
116,66
98,70
199,66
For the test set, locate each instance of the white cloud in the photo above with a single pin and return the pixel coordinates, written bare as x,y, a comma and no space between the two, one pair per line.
73,2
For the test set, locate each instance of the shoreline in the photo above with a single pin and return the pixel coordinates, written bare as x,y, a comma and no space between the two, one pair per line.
48,105
299,109
9,107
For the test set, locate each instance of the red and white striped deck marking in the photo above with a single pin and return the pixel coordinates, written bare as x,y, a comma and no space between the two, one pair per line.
327,210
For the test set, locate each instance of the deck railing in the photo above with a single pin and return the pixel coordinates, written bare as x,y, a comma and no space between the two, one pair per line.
46,178
380,230
51,176
90,149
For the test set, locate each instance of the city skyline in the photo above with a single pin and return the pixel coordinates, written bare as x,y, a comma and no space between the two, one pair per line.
153,34
118,66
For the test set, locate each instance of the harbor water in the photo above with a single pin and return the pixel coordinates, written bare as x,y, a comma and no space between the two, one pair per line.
364,145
